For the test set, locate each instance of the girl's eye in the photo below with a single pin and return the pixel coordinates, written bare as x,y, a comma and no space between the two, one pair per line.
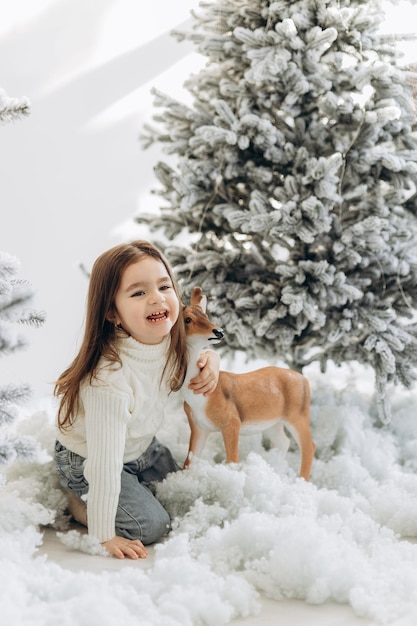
137,293
166,287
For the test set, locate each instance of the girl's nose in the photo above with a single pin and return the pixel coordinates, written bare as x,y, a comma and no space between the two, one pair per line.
156,297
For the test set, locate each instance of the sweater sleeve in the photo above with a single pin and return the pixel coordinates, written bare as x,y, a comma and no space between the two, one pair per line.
106,416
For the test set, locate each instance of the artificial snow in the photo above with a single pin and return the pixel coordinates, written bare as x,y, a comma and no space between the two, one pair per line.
346,536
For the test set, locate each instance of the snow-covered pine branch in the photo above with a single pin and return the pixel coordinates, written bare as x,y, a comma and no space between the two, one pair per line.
12,108
15,308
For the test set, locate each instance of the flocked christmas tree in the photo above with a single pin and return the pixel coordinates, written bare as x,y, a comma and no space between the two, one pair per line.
15,308
294,172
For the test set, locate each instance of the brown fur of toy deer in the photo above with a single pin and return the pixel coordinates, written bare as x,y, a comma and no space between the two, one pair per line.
263,400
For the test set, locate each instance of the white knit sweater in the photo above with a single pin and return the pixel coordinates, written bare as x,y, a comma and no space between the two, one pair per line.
120,413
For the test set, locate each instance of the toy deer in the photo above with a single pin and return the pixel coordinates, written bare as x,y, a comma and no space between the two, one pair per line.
257,401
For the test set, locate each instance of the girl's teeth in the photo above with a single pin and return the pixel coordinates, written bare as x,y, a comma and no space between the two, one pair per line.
156,317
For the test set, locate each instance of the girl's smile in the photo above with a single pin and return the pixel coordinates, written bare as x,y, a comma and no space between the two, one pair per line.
158,316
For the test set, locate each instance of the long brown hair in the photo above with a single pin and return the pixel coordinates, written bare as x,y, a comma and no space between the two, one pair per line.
100,334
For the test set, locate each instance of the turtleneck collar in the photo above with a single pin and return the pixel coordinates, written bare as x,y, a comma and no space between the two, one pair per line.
146,353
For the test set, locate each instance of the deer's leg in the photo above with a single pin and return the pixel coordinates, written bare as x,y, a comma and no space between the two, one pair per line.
300,428
198,437
307,451
223,414
300,420
230,432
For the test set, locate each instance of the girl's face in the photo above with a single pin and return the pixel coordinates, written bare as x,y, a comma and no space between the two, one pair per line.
146,304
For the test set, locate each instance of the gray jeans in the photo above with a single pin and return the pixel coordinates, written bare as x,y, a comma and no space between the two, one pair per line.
139,514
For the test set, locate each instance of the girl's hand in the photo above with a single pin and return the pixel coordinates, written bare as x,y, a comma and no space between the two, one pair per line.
206,381
121,547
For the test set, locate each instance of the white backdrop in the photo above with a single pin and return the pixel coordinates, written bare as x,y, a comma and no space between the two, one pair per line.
73,171
73,174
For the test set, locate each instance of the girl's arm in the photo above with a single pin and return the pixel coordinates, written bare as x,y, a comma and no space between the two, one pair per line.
206,381
106,416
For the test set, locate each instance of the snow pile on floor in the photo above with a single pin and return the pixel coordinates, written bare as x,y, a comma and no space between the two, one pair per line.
240,529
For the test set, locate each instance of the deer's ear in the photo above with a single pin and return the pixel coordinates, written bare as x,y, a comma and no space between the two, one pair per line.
203,303
196,293
198,299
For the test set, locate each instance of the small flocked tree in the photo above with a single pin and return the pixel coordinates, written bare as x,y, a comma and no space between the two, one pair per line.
294,173
15,308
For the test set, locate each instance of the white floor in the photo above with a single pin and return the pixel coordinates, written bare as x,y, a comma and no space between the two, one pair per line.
284,613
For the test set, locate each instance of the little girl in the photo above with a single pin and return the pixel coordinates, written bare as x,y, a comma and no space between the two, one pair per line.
113,398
